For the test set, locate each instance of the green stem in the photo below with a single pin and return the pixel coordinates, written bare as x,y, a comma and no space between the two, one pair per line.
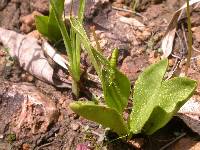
75,88
189,39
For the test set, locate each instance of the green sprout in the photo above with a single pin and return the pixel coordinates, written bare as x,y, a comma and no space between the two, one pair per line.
54,27
155,100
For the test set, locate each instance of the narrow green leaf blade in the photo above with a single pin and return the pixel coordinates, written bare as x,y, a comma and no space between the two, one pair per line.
144,91
58,8
106,116
78,27
81,10
172,95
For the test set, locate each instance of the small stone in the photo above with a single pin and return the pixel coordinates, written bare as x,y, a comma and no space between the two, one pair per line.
145,35
1,136
171,62
30,78
26,146
137,143
74,126
28,22
125,14
117,5
120,1
41,6
23,76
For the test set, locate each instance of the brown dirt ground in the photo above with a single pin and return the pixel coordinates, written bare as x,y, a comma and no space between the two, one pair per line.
138,49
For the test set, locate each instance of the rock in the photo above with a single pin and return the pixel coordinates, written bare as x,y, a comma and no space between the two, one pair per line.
30,78
74,126
24,110
3,4
196,33
28,22
137,143
82,147
26,146
12,13
118,5
133,66
125,14
41,6
120,1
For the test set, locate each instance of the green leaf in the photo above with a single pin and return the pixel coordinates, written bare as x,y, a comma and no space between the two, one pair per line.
58,8
42,24
106,116
81,10
155,101
78,27
172,95
116,94
53,28
145,87
48,27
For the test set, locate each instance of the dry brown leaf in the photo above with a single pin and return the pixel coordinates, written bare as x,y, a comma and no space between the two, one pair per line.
30,56
190,114
133,22
168,40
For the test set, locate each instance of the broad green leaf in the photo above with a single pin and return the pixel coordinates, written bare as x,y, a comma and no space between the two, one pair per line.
106,116
48,27
146,86
116,92
42,24
170,97
53,28
156,101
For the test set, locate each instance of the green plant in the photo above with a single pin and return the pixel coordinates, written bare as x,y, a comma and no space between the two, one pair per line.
155,100
48,26
11,137
189,38
54,27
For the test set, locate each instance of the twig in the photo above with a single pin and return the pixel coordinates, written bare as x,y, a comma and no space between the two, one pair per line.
44,145
170,143
195,49
126,10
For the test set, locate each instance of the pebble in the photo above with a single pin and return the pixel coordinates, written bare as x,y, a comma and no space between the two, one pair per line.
74,126
1,136
125,14
26,146
137,143
120,1
171,62
117,5
30,78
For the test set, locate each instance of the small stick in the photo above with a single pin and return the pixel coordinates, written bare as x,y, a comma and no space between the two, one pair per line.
170,143
126,10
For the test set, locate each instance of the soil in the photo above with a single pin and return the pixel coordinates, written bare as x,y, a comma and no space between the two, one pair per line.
138,48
